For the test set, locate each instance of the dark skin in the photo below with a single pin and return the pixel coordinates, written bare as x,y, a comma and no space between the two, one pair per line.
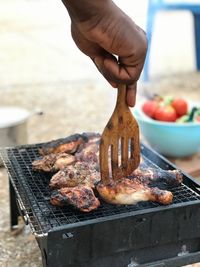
111,39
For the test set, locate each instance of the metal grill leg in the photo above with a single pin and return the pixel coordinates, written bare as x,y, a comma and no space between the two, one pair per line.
14,212
42,243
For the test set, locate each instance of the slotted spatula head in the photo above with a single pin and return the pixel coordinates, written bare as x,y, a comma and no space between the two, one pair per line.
119,145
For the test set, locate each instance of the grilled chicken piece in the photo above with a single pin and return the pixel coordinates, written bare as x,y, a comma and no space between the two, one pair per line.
68,145
53,162
77,158
131,191
78,174
80,197
156,176
90,150
90,154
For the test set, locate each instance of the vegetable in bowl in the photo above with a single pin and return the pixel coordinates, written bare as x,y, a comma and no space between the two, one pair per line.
170,109
173,137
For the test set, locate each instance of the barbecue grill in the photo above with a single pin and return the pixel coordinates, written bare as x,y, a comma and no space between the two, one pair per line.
146,234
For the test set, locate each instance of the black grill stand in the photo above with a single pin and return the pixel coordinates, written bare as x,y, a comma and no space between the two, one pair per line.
153,240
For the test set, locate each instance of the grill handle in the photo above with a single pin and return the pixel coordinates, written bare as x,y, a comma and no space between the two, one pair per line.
22,212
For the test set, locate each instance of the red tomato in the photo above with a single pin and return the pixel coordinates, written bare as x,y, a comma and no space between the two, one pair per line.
165,113
198,118
149,107
180,105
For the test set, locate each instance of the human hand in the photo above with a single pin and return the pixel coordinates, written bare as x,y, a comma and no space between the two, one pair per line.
111,39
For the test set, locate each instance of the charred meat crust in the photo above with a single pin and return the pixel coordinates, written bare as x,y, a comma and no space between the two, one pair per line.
80,197
155,177
161,196
81,173
68,144
53,162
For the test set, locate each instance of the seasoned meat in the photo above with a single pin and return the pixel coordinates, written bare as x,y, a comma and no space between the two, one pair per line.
68,145
53,162
80,197
76,159
93,138
90,153
158,176
78,174
141,186
131,191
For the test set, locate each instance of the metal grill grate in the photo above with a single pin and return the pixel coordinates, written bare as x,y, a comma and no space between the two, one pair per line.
33,191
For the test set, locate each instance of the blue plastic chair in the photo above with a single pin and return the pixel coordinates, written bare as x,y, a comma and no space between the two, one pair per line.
155,6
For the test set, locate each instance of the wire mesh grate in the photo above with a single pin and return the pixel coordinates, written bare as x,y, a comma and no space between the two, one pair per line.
33,190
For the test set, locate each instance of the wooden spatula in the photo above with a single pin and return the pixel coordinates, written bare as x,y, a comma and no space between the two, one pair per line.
119,145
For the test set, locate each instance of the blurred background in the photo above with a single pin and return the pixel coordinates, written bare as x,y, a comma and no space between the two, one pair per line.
40,67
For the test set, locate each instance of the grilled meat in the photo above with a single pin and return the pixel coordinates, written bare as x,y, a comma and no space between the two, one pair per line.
90,153
93,138
158,176
53,162
80,173
68,145
80,197
141,185
131,191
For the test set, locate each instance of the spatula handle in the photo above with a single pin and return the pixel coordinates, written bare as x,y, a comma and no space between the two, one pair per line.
121,97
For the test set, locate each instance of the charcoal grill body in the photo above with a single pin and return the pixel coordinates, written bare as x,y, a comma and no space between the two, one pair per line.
163,238
146,234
